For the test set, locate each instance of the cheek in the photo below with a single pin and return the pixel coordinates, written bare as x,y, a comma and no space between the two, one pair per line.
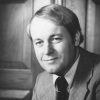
65,50
62,48
38,53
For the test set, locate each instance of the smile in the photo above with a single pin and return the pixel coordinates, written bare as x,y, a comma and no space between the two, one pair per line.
51,59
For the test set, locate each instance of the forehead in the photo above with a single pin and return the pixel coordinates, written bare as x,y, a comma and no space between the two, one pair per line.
40,23
41,27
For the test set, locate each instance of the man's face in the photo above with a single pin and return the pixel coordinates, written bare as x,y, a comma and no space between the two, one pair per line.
53,45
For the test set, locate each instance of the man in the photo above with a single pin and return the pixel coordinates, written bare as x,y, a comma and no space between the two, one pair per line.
56,36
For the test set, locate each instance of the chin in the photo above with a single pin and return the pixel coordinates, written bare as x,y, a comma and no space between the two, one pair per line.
52,71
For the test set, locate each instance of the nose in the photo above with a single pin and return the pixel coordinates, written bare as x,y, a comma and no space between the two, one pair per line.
48,49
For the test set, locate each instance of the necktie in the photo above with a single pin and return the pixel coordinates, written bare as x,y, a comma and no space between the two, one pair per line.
61,89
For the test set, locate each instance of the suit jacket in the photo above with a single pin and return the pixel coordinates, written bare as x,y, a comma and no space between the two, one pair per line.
86,83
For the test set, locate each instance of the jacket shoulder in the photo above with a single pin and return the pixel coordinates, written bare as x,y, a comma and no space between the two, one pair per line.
91,62
92,57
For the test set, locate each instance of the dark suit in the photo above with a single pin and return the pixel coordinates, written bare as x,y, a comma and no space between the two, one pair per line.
86,83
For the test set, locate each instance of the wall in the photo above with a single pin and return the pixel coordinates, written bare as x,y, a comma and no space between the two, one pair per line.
16,80
92,27
15,47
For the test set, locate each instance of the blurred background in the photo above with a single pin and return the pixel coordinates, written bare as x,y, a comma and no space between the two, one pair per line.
18,66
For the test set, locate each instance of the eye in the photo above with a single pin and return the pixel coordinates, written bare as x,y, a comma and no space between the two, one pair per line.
56,39
38,43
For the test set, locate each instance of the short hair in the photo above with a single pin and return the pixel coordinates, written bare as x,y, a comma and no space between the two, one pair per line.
61,16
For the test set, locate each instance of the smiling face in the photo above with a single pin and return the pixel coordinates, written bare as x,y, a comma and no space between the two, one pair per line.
53,45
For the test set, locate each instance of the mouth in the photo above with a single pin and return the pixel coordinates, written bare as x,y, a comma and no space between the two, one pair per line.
50,59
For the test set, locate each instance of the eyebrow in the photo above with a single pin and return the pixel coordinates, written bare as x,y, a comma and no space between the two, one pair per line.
37,39
56,35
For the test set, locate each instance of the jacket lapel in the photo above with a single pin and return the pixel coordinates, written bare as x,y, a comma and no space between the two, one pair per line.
79,89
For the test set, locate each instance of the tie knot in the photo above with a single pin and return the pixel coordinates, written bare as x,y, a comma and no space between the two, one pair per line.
61,84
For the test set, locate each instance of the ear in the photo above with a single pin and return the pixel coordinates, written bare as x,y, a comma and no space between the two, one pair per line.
28,32
28,28
77,39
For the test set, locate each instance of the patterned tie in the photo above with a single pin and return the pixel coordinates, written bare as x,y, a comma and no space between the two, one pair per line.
61,89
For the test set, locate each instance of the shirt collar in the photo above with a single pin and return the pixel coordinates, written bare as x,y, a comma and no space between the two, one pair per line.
70,74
